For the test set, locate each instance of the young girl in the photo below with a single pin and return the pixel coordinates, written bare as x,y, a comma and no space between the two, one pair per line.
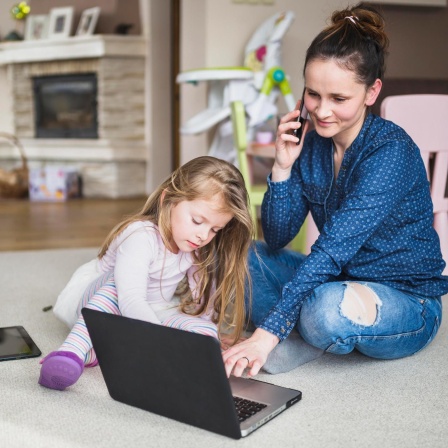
372,281
196,224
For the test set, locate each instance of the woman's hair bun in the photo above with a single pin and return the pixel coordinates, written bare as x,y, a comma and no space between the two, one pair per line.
367,20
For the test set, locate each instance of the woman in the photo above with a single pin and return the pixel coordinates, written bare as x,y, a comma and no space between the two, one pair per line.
372,281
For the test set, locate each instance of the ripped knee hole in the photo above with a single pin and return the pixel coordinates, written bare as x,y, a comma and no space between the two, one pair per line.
360,304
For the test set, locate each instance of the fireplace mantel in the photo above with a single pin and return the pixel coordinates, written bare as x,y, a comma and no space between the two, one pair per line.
76,47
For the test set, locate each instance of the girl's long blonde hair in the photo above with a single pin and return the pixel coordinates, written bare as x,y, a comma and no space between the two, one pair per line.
222,275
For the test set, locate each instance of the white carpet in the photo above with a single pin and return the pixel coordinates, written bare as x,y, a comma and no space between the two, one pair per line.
348,401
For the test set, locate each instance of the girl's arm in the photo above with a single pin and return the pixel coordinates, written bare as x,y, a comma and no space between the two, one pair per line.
135,253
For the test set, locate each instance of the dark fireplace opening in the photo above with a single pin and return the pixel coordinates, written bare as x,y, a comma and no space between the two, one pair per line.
66,106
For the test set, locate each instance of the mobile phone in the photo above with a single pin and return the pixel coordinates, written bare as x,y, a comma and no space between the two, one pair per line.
301,118
16,343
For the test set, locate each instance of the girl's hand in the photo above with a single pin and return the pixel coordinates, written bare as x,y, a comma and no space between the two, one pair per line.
286,148
249,354
227,342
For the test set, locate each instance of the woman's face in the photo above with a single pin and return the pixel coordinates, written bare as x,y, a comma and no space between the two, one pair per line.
336,101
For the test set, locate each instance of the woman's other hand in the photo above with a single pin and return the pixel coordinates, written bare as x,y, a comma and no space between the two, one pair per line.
250,354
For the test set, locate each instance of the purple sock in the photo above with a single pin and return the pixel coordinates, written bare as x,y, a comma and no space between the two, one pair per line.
60,369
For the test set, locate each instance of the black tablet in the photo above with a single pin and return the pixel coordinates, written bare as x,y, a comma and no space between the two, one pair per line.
16,343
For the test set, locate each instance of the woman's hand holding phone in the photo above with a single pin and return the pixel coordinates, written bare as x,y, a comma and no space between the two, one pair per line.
287,145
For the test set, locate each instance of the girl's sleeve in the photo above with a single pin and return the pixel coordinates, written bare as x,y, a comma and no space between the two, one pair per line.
136,251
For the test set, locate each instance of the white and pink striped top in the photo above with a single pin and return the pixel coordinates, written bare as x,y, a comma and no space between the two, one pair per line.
146,272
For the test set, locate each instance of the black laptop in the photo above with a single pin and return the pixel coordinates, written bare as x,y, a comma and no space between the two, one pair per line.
180,375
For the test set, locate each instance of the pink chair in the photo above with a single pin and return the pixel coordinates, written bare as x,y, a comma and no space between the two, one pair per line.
425,119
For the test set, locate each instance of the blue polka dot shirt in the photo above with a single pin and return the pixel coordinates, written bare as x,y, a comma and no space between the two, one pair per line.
375,220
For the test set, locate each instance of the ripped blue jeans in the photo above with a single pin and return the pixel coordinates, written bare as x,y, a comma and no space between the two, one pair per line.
338,317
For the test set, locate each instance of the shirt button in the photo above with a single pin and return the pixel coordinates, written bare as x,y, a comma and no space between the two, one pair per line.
282,330
288,324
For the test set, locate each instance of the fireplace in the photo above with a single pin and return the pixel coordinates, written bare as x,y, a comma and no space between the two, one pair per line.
80,103
65,106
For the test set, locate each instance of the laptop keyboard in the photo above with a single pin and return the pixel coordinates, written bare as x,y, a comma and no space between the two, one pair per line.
246,408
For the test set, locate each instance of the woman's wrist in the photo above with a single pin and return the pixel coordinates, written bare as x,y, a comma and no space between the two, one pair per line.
266,338
280,174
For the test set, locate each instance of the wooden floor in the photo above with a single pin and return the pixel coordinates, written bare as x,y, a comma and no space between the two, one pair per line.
26,225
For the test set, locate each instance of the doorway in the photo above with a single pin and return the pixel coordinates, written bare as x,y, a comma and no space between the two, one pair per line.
175,90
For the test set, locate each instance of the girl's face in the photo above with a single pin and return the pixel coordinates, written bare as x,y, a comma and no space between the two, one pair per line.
336,101
195,223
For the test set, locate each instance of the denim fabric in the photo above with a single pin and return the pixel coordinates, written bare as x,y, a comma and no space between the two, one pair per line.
375,220
404,323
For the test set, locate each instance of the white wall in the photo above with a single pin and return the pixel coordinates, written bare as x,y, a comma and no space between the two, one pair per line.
230,25
215,32
155,16
192,55
7,23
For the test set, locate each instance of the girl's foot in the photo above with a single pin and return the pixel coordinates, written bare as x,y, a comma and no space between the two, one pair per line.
93,363
60,369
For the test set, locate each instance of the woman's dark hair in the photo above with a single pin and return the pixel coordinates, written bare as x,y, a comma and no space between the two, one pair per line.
356,40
